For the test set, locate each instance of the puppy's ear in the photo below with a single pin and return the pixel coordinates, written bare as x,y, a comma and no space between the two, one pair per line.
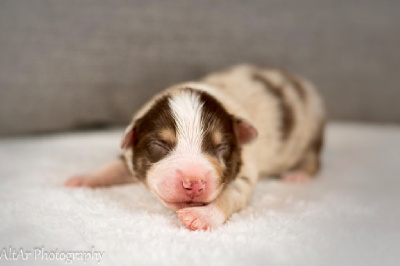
244,131
128,140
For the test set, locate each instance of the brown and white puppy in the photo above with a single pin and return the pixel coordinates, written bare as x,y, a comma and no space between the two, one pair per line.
200,147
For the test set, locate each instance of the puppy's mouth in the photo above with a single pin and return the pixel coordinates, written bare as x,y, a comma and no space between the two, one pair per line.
183,204
186,203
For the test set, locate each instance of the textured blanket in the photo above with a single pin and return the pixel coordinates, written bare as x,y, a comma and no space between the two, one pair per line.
349,215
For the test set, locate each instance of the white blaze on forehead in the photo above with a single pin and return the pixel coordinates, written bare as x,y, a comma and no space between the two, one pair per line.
186,108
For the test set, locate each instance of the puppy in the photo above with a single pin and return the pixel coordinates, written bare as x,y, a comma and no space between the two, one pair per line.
200,147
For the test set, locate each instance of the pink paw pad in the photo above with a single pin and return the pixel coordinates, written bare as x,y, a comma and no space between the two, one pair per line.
78,181
296,177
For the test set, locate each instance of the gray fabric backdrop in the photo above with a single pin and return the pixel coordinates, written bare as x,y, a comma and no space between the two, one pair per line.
83,63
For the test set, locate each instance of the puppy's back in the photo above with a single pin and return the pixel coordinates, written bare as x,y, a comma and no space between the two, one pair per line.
286,110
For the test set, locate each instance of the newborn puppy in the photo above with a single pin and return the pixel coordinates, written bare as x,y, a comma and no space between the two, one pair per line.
200,147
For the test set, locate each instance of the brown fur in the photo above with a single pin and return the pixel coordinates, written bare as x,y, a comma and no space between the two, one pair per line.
300,90
147,148
219,120
287,120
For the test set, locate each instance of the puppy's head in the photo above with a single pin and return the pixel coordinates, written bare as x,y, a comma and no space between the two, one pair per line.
187,147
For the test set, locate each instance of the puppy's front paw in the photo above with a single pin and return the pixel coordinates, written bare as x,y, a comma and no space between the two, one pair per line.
201,218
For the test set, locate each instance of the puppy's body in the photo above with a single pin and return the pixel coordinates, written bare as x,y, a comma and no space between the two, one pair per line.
201,146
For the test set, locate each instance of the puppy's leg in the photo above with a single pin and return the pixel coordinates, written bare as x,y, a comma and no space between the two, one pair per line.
233,198
113,173
310,164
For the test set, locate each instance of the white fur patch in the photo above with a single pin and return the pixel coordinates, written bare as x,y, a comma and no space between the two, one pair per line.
187,109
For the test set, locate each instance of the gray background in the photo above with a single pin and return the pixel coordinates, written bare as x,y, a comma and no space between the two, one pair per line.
84,63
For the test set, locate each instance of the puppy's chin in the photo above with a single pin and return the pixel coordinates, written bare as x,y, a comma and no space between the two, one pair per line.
180,205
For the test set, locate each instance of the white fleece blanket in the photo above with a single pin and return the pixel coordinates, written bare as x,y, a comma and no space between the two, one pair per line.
349,215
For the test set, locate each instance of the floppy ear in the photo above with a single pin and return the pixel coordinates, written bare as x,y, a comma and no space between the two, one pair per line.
129,137
245,132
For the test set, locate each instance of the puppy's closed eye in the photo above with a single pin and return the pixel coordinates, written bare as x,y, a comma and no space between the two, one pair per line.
222,150
157,150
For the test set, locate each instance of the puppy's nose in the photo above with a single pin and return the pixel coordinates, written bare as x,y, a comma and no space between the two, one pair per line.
193,187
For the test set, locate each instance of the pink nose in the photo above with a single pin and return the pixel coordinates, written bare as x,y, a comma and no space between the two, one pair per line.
193,188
